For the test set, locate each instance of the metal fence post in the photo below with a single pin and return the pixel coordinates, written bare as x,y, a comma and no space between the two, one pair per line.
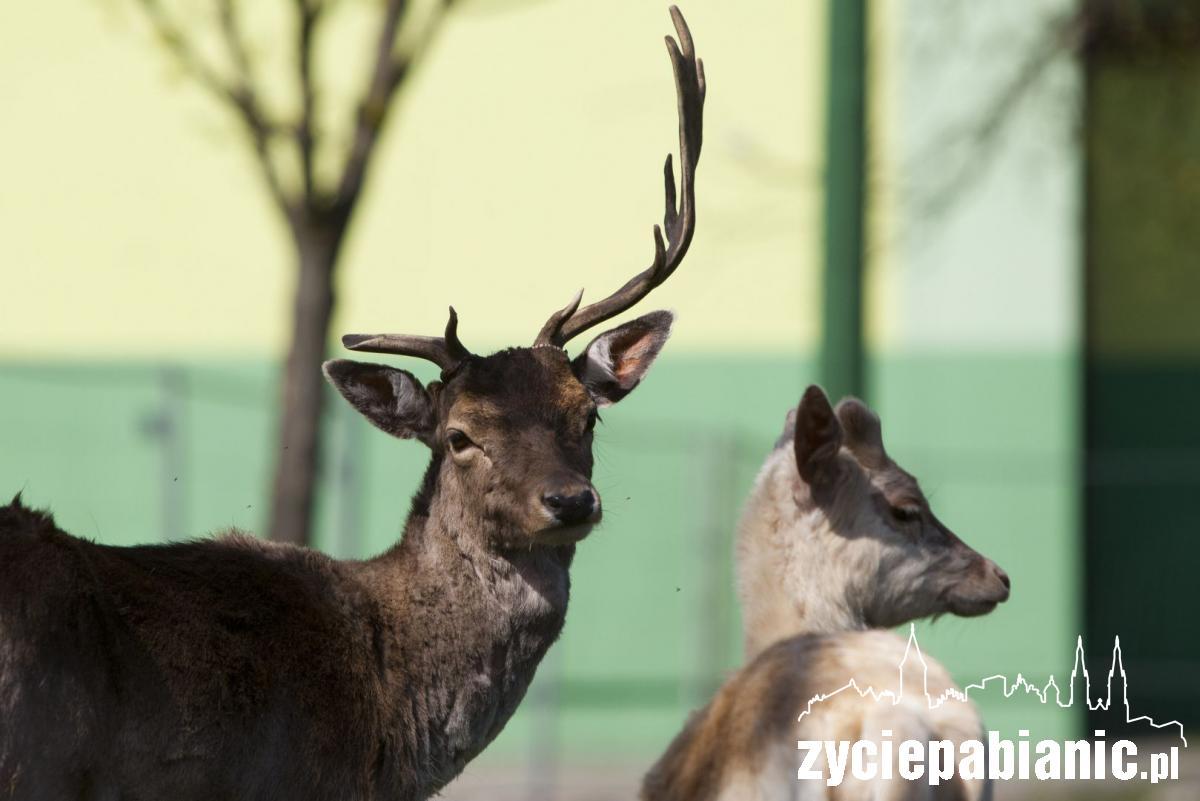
167,426
845,192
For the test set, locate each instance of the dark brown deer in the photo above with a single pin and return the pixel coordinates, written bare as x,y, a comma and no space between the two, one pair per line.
234,668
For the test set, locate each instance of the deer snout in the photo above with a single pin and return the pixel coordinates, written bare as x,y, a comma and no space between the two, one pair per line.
572,504
982,587
997,574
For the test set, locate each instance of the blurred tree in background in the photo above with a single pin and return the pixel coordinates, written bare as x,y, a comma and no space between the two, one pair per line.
1138,128
950,165
314,167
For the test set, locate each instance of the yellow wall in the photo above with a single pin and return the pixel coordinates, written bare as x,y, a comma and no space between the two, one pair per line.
525,163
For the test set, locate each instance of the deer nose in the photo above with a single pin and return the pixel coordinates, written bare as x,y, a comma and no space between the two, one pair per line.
571,508
999,573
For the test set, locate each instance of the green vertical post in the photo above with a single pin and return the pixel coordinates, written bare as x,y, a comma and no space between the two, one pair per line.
841,364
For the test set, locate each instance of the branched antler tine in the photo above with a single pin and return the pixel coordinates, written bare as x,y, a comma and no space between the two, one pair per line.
679,217
454,347
660,258
685,35
446,352
550,330
429,348
672,210
689,72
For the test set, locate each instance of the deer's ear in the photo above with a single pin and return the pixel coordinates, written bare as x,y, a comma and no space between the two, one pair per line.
864,434
615,362
818,438
393,400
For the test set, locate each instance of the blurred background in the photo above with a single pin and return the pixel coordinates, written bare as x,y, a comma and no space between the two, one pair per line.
981,218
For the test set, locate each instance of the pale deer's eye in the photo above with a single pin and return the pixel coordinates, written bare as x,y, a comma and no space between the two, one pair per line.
906,514
458,441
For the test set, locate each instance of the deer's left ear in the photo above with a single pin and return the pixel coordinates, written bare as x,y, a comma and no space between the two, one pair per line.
615,362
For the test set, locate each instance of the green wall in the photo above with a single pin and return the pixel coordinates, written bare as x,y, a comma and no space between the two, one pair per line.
653,624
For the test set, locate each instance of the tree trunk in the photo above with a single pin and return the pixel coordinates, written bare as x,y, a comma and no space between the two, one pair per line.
303,389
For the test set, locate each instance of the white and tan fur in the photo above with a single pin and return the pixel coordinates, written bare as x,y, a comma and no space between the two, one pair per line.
835,545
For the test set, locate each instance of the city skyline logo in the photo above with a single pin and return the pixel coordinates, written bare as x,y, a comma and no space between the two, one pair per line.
1045,693
992,757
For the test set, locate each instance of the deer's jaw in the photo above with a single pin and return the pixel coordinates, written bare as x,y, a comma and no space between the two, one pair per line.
564,535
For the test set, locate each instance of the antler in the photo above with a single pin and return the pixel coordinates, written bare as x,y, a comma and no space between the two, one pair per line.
447,352
679,223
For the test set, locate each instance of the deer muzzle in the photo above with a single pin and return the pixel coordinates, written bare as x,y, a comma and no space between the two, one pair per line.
570,506
988,587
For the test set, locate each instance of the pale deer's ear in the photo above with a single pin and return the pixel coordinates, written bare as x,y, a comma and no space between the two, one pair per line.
393,400
864,433
818,438
615,362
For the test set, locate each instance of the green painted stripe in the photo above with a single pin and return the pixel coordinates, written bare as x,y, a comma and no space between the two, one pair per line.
653,623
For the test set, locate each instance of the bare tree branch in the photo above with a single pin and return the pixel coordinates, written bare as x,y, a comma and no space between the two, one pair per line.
236,43
309,12
259,128
239,97
964,151
388,73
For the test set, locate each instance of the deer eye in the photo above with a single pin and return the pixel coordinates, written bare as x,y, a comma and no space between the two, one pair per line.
908,513
458,441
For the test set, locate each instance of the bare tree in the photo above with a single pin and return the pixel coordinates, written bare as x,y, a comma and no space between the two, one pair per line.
317,204
947,168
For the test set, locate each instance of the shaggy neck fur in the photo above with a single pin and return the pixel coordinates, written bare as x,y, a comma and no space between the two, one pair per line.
470,621
792,575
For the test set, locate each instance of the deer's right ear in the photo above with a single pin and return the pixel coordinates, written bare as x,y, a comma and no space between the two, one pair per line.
616,361
818,438
393,400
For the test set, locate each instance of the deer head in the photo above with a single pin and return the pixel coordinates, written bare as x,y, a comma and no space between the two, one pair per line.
511,433
837,536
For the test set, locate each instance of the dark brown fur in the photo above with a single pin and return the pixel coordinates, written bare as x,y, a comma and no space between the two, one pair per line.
234,668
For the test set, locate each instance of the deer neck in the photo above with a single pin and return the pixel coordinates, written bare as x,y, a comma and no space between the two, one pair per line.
789,583
466,624
515,583
492,591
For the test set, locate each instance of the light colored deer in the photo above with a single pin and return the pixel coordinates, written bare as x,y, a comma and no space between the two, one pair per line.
233,668
836,543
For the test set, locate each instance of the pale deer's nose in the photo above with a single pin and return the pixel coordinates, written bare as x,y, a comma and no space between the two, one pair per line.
570,507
